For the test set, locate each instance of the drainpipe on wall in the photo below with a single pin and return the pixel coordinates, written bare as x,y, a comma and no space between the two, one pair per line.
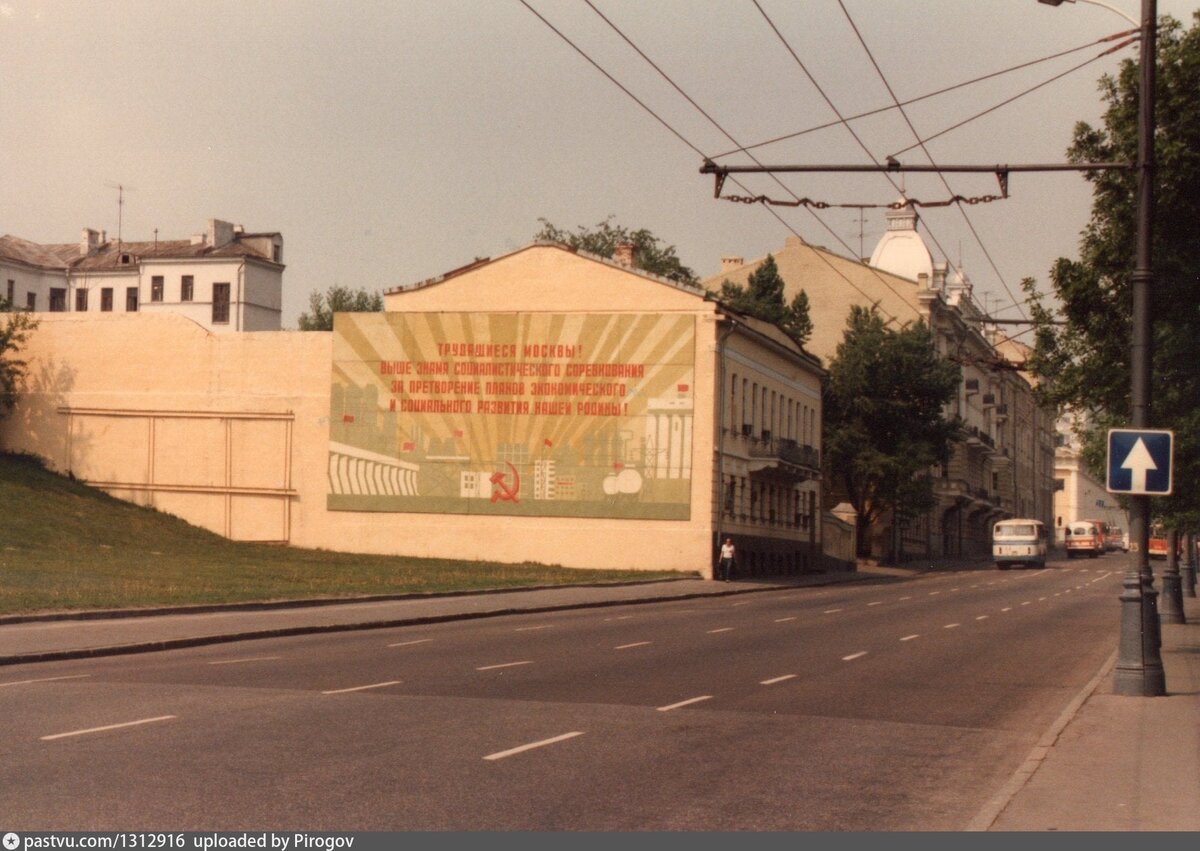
720,425
241,303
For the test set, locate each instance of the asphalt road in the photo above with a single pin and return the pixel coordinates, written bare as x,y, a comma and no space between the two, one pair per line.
872,707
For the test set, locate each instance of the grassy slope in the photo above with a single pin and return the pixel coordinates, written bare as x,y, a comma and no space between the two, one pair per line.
64,545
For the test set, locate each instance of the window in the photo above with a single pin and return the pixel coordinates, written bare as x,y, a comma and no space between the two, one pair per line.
12,286
131,299
106,299
186,285
81,298
31,301
58,299
220,304
156,288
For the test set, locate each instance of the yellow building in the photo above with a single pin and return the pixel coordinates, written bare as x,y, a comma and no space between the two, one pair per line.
541,406
1003,467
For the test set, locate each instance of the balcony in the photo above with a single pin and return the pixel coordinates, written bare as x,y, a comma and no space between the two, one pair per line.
784,458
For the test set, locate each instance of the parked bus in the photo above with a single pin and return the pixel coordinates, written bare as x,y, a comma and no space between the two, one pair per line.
1084,538
1116,540
1019,542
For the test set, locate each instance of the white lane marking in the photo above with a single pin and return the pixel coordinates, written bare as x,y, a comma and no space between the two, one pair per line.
362,688
906,598
687,702
952,626
247,659
1026,603
622,617
503,665
1040,599
778,680
953,589
830,611
877,603
854,656
532,745
410,643
742,603
722,629
981,617
533,628
107,727
911,637
934,593
43,680
785,620
635,644
1007,609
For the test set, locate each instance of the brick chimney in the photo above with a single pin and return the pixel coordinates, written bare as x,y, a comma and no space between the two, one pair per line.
623,254
89,241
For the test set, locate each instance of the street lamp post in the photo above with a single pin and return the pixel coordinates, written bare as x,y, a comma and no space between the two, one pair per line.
1139,670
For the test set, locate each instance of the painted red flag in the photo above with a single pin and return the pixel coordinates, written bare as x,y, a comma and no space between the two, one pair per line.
682,388
347,418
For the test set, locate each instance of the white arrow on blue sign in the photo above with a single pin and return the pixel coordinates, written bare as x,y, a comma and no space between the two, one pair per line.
1139,461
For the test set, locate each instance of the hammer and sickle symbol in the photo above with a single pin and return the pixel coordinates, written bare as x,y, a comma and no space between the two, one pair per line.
502,491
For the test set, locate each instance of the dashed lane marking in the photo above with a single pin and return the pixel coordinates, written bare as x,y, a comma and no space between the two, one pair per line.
362,688
410,643
532,745
683,703
952,626
854,656
504,665
785,620
830,611
911,637
634,644
722,629
107,727
981,617
772,682
43,680
533,628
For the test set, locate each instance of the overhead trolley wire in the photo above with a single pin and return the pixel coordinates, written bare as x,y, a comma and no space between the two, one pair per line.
680,136
970,225
730,137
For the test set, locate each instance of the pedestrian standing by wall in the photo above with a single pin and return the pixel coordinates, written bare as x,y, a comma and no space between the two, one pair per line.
727,561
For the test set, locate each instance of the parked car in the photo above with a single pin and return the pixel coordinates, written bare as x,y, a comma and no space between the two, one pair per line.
1084,538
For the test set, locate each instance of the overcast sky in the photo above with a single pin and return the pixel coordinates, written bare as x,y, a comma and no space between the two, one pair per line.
395,140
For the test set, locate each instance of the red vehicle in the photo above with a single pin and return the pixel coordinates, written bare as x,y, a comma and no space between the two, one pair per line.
1085,538
1158,542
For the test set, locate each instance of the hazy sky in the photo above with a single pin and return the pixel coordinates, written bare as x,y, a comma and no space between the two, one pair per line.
391,141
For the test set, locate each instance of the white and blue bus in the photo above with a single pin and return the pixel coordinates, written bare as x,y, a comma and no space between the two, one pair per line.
1020,542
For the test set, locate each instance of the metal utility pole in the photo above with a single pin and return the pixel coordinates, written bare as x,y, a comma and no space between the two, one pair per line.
1139,670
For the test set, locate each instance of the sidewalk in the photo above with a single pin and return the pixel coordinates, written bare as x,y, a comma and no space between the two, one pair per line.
1109,763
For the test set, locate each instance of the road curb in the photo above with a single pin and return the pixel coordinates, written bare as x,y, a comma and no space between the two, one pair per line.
992,810
317,629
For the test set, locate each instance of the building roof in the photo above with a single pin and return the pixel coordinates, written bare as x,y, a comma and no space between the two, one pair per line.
108,255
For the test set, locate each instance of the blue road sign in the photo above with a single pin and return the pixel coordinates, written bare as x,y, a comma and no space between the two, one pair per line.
1139,461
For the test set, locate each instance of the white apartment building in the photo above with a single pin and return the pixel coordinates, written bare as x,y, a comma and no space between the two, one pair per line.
224,279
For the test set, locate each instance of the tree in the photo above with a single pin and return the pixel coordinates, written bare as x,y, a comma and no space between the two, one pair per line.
337,299
884,417
762,298
15,327
1085,364
602,240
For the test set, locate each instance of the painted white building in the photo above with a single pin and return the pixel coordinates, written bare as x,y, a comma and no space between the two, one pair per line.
1078,495
224,279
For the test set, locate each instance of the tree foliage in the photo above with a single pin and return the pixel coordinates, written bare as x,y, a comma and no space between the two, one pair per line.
884,416
602,240
1085,364
337,299
15,327
762,297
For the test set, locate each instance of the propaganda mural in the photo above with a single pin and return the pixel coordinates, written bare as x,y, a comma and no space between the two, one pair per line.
567,414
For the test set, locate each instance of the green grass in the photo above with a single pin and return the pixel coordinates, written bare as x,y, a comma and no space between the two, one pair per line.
65,546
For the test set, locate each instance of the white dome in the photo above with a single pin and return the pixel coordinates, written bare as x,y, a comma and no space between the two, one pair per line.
902,251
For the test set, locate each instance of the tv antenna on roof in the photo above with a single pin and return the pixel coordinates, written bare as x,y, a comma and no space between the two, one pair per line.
121,190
